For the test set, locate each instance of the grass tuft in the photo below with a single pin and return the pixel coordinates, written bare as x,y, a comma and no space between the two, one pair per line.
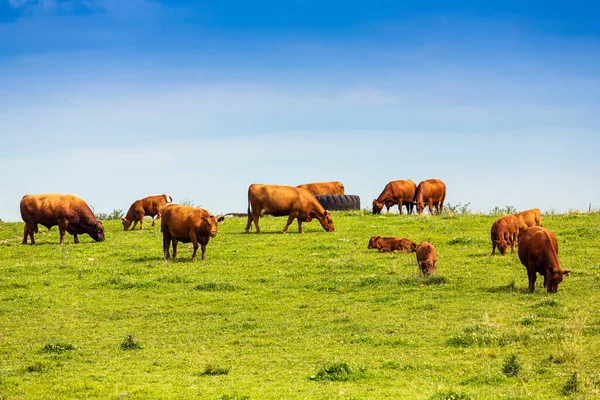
36,366
58,347
338,372
234,396
212,370
450,395
511,366
130,344
572,385
216,287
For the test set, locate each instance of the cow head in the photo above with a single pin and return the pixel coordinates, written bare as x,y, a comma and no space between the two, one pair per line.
427,267
554,277
377,207
373,242
413,247
211,224
420,206
327,221
96,232
502,246
126,223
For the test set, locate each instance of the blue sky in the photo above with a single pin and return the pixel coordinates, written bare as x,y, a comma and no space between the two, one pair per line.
116,100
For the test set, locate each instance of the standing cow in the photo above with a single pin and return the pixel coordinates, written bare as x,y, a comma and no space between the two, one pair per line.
504,233
431,192
426,258
538,252
529,218
151,206
396,192
278,200
187,224
321,188
68,211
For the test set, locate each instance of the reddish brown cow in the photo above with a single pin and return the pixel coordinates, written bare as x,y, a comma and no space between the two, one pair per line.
396,192
317,188
68,211
187,224
388,244
277,200
427,258
538,252
529,218
151,206
504,233
431,192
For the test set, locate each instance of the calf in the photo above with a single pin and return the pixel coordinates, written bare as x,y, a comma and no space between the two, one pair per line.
151,206
504,233
427,258
388,244
187,224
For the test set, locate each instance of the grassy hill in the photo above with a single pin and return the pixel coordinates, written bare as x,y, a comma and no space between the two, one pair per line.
318,315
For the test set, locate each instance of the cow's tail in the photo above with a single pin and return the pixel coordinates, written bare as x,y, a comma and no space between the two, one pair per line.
168,198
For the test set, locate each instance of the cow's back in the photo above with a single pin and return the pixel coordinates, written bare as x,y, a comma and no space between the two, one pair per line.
529,218
153,204
47,209
276,200
532,238
403,189
322,188
179,220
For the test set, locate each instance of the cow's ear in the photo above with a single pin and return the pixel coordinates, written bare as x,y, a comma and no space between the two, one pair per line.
413,247
567,272
123,219
205,219
221,219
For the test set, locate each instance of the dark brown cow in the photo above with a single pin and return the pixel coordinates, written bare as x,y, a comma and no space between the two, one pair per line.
538,252
427,258
431,192
529,218
317,188
187,224
388,244
68,211
277,200
396,192
504,233
151,206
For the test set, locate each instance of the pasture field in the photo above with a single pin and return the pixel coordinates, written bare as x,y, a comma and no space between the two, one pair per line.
318,315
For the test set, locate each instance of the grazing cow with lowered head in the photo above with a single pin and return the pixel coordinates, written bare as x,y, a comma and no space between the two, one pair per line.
538,252
504,233
68,211
388,244
396,192
319,188
278,200
187,224
432,193
151,206
427,258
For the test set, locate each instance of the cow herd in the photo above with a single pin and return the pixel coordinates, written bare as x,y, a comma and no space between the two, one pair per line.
538,249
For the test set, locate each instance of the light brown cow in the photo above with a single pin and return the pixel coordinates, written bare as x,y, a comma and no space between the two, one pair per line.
278,200
68,211
400,192
426,258
431,192
318,188
389,244
538,252
504,233
187,224
151,206
529,218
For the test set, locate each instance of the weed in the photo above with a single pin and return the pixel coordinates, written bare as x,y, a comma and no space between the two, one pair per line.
450,395
338,372
215,287
390,365
548,303
130,344
234,396
212,369
37,366
511,366
58,348
461,240
572,385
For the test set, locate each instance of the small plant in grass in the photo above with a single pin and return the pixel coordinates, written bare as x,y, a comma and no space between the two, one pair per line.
215,287
36,366
58,348
511,366
338,372
450,395
212,369
571,385
129,343
234,396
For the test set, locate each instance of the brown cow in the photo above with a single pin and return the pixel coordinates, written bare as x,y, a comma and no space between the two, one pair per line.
68,211
388,244
151,206
280,200
317,188
504,233
187,224
529,218
538,252
396,192
427,258
431,192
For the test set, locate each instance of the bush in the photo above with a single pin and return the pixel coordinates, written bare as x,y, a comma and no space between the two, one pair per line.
501,211
462,209
114,215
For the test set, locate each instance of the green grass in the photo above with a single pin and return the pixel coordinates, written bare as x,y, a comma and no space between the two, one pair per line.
318,315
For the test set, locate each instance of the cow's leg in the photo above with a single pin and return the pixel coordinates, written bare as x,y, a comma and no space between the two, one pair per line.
75,238
430,207
249,224
62,228
300,226
174,247
25,234
155,218
493,248
135,221
166,244
194,240
512,243
289,222
400,207
141,222
531,277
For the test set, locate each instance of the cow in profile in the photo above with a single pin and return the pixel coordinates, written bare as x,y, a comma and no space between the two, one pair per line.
321,188
529,218
389,244
278,200
400,192
151,206
538,252
432,193
68,211
187,224
426,258
504,233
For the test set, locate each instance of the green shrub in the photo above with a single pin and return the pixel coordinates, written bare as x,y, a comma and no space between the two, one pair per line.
511,366
58,348
212,369
571,385
130,344
338,372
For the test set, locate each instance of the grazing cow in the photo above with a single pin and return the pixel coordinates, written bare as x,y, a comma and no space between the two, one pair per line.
538,252
396,192
68,211
151,206
318,188
504,233
427,258
187,224
431,192
280,200
388,244
529,218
